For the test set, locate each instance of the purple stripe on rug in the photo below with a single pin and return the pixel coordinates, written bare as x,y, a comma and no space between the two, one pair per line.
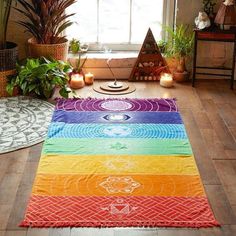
93,104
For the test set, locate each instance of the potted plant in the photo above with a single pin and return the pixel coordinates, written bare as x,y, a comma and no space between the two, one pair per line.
180,46
46,20
74,46
162,44
39,77
8,50
77,76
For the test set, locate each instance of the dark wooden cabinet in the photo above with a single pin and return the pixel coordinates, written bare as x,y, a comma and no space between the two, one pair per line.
228,36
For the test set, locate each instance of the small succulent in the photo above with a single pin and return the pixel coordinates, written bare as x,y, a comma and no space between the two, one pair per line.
74,46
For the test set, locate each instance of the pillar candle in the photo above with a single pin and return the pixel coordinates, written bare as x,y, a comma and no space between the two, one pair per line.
76,81
166,80
89,78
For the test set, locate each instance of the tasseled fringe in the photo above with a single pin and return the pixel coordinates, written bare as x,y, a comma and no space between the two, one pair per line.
46,224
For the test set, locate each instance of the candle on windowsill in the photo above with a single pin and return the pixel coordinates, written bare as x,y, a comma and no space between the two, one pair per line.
166,80
89,78
76,81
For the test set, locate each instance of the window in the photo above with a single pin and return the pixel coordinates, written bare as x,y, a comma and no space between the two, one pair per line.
119,24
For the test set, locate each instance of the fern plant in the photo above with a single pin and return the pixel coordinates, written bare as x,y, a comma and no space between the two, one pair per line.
46,19
5,8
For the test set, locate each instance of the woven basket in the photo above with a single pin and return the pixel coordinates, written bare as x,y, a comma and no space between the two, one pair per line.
8,57
56,51
3,83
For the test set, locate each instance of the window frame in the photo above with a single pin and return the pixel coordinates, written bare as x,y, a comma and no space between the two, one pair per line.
169,7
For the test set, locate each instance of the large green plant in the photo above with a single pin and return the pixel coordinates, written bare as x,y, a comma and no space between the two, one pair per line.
40,76
46,19
180,43
5,7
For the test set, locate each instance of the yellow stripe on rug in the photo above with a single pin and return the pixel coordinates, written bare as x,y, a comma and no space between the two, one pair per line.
110,164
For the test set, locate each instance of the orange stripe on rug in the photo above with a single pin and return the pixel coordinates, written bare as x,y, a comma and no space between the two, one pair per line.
122,185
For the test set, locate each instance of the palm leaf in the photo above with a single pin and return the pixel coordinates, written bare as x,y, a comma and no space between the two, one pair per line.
47,16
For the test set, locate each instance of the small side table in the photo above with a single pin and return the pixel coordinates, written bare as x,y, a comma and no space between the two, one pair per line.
214,35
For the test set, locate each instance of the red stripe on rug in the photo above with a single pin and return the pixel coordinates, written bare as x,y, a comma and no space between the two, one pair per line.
51,211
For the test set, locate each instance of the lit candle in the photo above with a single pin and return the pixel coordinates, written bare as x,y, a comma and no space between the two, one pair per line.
76,81
166,80
89,77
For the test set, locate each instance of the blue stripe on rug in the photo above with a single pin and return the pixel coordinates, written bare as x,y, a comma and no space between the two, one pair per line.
162,131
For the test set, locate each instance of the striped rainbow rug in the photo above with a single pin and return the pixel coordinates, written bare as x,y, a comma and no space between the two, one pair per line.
117,162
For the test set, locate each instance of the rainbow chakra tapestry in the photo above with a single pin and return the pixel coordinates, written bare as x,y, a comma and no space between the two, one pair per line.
117,162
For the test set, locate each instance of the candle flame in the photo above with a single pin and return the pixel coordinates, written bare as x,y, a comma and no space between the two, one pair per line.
166,76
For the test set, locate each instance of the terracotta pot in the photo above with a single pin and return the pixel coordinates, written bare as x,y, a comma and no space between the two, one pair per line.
181,76
181,67
172,63
56,51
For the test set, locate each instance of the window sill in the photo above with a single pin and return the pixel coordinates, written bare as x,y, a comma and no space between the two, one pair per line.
121,63
108,55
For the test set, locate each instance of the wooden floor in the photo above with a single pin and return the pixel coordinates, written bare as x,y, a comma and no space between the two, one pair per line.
209,113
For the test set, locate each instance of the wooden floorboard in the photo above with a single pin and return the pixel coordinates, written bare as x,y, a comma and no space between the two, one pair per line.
209,114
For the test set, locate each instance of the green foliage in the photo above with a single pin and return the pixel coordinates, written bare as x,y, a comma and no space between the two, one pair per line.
79,65
162,44
5,7
75,46
46,19
40,76
180,41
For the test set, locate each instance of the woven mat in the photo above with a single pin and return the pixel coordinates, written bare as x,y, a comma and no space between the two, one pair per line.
23,122
117,163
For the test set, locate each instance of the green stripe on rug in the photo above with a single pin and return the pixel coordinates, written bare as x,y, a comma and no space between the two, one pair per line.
116,146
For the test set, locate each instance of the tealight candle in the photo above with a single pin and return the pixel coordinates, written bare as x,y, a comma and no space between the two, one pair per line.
76,81
89,78
166,80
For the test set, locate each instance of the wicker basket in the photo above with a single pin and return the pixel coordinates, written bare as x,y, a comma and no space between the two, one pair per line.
8,57
56,51
3,83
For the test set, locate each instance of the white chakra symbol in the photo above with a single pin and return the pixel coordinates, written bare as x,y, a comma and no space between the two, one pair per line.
119,164
119,208
116,105
117,131
119,184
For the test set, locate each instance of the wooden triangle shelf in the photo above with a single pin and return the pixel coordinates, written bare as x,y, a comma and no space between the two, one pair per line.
150,64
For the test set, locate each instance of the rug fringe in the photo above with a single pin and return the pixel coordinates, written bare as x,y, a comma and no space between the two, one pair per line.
98,224
91,98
